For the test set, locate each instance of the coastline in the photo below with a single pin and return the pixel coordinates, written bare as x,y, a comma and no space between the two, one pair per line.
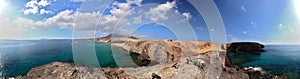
246,48
227,69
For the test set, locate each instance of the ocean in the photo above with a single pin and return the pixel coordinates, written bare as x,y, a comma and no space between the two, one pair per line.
17,57
281,60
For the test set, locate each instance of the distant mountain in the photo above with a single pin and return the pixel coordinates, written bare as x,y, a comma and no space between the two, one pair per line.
119,36
44,39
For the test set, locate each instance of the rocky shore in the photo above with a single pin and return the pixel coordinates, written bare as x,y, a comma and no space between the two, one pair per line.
176,60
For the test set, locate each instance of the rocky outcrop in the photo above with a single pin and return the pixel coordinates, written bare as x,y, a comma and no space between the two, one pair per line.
228,61
245,47
58,70
155,50
234,73
195,67
175,70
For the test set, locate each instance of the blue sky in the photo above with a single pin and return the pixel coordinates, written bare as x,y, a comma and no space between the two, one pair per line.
266,21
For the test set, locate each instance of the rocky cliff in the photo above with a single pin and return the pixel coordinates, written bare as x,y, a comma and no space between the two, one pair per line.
157,49
174,70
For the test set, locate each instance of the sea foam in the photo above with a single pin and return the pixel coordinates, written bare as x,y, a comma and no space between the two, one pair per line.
253,69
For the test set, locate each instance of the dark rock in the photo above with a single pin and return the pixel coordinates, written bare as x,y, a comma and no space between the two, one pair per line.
119,36
228,61
155,76
141,60
58,70
245,47
259,75
232,73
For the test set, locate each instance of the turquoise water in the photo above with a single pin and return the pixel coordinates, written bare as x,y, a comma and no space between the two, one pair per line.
18,57
283,60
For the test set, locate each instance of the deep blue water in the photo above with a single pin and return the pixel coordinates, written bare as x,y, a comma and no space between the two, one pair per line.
18,57
283,60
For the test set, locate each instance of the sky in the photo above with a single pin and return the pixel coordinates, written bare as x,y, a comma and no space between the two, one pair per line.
265,21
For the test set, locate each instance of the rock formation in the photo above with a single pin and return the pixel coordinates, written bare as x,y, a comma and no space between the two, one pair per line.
157,49
189,68
245,47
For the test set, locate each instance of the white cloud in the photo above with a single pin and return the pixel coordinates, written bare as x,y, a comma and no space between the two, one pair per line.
35,7
229,35
160,12
287,29
232,38
283,27
43,3
187,15
64,19
31,3
136,2
77,0
8,31
121,9
69,19
253,23
212,30
43,11
33,10
141,36
137,20
118,16
124,9
120,12
243,8
280,26
201,28
245,32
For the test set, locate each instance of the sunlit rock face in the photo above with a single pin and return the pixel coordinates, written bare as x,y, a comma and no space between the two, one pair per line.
158,49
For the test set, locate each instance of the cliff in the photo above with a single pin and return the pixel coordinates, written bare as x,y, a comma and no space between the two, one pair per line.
155,49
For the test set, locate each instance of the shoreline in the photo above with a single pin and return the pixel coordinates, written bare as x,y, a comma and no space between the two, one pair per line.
231,48
229,69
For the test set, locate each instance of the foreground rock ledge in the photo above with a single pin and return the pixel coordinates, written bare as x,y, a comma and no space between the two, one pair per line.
58,70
